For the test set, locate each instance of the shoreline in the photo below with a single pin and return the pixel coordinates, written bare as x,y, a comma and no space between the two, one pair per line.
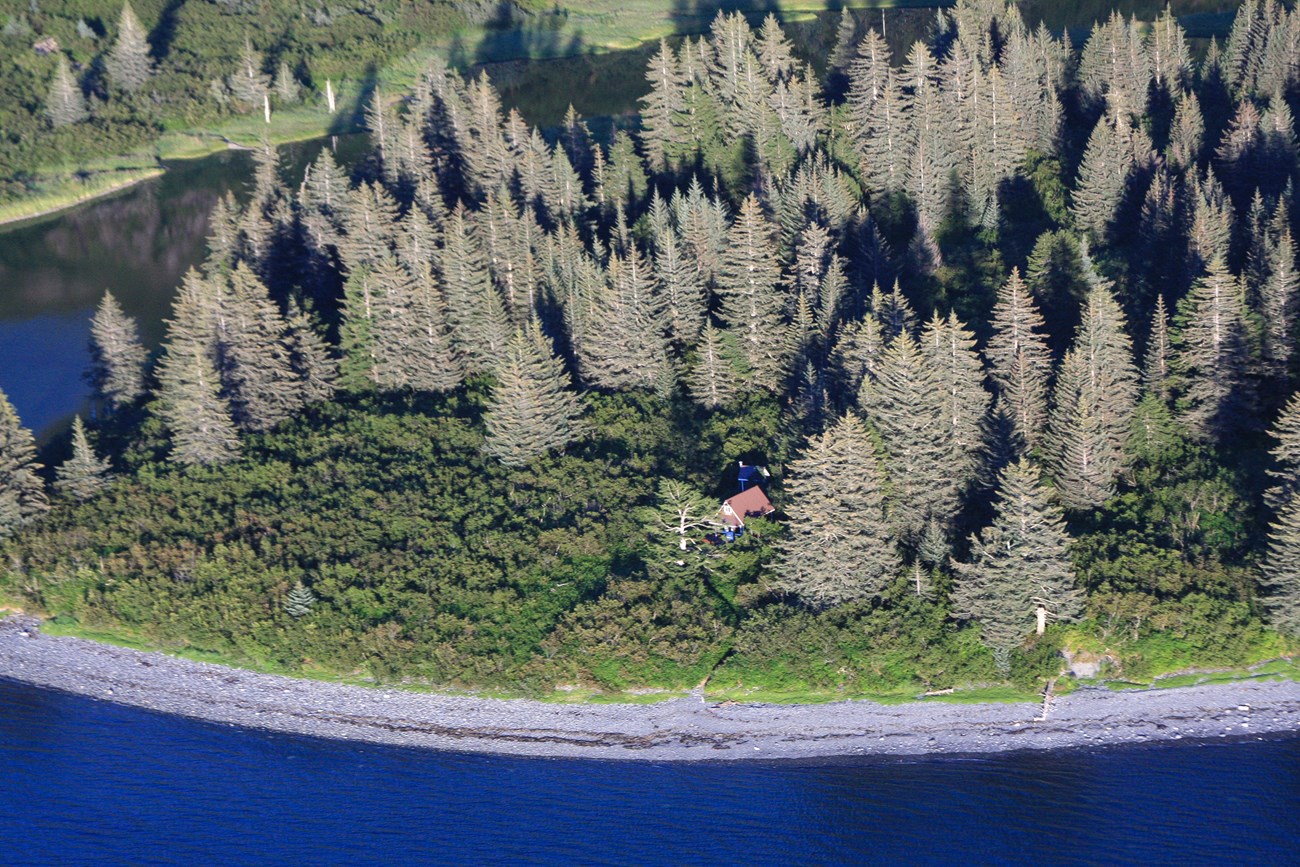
684,729
62,205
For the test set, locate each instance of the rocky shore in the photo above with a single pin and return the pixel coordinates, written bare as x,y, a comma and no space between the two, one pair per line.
686,729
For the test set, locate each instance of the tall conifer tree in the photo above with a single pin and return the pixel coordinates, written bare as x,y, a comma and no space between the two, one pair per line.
22,492
712,380
191,406
1019,576
1155,367
117,359
310,356
904,404
839,548
1212,356
84,474
748,280
253,356
533,410
1281,570
477,317
65,105
1020,363
128,64
949,348
1093,403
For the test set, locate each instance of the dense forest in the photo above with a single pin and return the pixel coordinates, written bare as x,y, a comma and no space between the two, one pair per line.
1010,323
81,80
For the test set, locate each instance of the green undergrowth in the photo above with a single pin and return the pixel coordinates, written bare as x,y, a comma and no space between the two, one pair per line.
1275,670
1272,670
433,567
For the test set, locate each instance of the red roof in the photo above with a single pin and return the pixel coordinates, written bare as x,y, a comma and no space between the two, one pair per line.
750,503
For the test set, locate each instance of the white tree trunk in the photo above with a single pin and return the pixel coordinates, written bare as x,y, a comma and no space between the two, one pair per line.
266,106
1042,619
329,94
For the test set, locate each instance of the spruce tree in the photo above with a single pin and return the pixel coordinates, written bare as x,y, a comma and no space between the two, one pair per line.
628,347
839,547
1212,357
84,474
712,379
248,82
310,357
774,50
323,201
1187,133
1210,234
885,140
412,346
392,327
1093,404
747,281
1102,175
192,408
532,410
117,359
1020,363
253,355
998,146
1103,341
682,292
703,225
128,63
1019,576
661,108
286,86
905,405
299,601
1155,367
1281,568
65,105
1085,461
370,222
1279,299
857,353
1286,455
624,179
22,492
931,161
1171,60
963,403
476,315
360,310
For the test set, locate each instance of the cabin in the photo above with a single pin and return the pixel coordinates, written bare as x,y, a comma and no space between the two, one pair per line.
749,503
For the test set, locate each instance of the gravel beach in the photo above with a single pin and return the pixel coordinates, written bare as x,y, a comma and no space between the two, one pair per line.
686,729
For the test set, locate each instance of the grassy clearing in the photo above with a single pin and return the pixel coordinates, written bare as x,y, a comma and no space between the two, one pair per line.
1273,669
300,124
60,192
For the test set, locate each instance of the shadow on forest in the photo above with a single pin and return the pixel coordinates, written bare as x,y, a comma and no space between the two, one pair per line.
511,34
695,16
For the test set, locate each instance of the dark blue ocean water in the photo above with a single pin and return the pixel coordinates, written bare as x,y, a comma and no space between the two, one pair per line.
85,782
